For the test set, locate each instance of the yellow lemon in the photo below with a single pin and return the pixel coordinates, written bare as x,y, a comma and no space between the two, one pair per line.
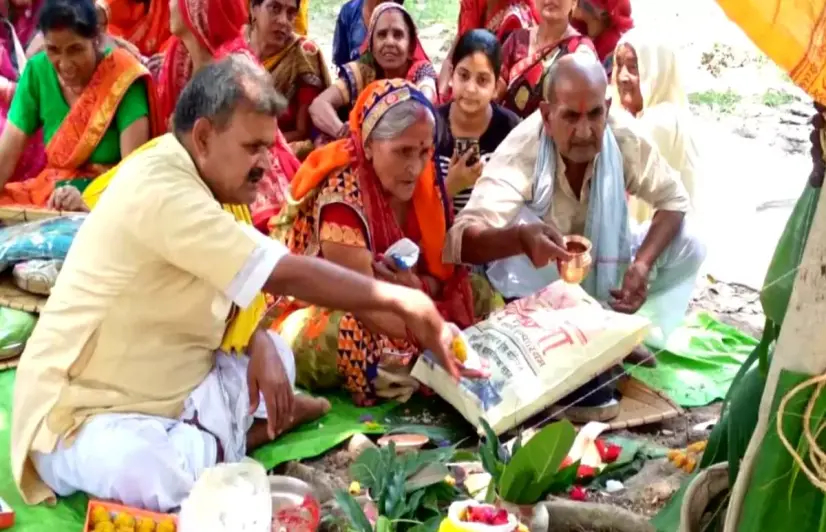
124,520
167,525
104,526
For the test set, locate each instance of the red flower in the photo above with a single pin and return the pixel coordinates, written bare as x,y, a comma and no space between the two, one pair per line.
585,472
487,515
612,453
608,452
578,494
565,463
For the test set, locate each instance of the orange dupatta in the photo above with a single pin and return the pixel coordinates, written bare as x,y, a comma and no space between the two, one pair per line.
83,128
376,99
148,29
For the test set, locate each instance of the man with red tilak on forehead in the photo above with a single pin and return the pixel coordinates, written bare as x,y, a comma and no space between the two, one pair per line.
567,170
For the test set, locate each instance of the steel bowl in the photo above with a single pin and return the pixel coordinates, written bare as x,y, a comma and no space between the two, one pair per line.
575,270
287,492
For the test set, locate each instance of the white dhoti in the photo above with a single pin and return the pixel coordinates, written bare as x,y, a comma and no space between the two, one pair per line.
671,281
153,462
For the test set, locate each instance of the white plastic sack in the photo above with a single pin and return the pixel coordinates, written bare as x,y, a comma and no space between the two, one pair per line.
538,350
37,276
229,498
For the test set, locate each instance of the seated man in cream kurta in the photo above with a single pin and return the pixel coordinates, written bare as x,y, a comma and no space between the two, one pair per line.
120,392
566,171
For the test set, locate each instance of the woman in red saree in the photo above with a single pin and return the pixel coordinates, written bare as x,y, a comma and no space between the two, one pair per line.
391,50
500,17
604,21
528,53
212,29
95,106
349,202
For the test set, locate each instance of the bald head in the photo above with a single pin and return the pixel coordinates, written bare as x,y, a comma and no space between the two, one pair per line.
575,109
576,72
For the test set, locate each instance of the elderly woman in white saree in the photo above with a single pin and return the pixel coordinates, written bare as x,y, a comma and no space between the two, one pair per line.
648,85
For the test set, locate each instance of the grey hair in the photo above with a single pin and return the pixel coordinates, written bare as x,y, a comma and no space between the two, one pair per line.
400,117
580,64
216,91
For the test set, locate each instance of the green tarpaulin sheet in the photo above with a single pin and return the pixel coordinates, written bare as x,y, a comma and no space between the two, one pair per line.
313,439
69,515
343,421
699,363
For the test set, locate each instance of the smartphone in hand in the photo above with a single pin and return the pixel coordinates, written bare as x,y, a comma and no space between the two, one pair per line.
464,145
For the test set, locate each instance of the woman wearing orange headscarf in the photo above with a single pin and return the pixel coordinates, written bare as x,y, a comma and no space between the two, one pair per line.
212,29
144,23
349,202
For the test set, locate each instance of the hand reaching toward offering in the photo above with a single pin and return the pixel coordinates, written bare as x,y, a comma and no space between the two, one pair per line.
67,198
543,244
634,291
267,377
432,332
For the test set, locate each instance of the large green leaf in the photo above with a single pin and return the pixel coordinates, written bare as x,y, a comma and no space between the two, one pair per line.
414,462
432,473
564,479
777,287
353,511
767,504
384,524
541,456
431,525
368,468
521,490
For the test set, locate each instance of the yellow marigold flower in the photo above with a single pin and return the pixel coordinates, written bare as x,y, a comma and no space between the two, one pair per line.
450,481
459,349
355,488
697,447
522,528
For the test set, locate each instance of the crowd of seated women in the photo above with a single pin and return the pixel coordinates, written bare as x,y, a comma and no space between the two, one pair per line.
377,154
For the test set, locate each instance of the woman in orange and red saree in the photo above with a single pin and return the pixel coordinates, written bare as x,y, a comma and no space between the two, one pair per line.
527,54
349,202
604,21
144,23
392,51
205,30
296,64
93,105
500,17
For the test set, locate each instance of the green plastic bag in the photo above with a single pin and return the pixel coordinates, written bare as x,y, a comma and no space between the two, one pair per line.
15,328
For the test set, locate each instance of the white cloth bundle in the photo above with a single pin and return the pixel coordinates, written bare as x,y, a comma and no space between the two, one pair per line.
229,498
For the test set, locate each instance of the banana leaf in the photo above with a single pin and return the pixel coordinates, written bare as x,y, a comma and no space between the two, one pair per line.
777,496
730,437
